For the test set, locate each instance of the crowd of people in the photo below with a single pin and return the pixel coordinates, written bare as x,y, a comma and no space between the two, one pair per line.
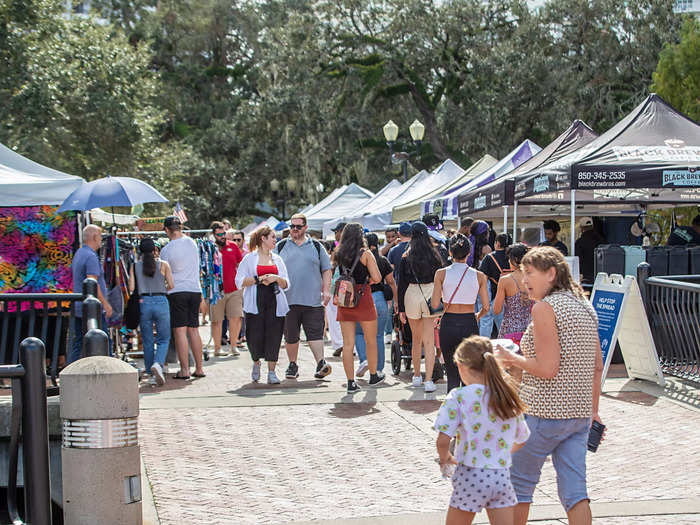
505,413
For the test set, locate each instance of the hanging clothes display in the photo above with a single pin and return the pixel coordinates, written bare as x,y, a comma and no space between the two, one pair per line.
211,271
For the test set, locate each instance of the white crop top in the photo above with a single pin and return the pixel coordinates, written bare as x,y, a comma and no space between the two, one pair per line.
468,290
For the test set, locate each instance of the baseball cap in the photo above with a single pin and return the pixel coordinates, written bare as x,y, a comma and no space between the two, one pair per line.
340,227
405,229
171,221
419,228
437,236
147,245
585,222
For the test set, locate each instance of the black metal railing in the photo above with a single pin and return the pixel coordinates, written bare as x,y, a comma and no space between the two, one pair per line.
51,318
673,307
47,316
29,407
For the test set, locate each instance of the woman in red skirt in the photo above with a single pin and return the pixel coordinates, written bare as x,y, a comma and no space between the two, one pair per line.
352,256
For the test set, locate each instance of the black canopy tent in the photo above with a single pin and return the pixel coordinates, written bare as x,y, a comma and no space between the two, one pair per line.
488,200
649,159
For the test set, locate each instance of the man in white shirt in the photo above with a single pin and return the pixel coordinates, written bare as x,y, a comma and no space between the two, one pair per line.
183,256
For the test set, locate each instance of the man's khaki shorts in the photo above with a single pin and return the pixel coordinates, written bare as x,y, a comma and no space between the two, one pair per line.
229,306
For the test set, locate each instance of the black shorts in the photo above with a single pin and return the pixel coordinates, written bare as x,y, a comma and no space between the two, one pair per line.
313,318
184,309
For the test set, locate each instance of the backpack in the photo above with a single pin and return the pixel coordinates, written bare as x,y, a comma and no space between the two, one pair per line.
344,290
504,271
317,245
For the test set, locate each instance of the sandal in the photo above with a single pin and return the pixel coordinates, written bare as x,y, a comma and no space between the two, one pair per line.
199,375
178,376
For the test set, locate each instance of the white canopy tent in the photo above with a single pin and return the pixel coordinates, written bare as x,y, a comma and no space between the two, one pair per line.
24,182
412,210
380,218
381,199
341,202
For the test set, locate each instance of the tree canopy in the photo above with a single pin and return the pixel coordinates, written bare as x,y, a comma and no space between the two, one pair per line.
211,100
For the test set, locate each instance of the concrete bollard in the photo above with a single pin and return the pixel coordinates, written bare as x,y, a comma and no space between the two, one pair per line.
101,456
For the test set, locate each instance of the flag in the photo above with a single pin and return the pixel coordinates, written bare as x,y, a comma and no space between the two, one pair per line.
179,212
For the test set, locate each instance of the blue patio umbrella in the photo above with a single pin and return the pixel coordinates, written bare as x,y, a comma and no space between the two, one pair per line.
111,191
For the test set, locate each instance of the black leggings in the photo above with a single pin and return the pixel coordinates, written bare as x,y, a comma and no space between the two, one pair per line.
454,328
263,331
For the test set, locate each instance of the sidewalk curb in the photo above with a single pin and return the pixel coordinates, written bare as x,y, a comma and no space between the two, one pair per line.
148,504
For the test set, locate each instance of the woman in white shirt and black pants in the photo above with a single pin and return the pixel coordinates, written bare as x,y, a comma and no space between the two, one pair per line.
263,277
458,286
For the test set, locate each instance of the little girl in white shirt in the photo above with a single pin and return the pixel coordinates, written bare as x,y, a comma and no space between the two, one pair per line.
486,418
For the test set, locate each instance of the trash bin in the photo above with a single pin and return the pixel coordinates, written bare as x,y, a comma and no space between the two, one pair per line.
678,260
657,257
633,256
694,260
610,258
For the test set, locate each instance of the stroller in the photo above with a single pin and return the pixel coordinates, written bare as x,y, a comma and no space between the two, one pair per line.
401,350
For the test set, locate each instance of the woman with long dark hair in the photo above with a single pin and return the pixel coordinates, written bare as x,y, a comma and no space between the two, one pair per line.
458,286
481,248
154,278
416,275
353,258
512,297
380,304
263,277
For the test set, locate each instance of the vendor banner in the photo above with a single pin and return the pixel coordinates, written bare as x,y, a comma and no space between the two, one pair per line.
627,176
498,195
36,249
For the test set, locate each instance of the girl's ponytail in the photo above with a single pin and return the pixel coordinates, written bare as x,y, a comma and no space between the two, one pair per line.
504,400
476,353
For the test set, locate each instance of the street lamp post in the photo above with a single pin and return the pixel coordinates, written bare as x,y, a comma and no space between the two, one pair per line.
391,133
282,197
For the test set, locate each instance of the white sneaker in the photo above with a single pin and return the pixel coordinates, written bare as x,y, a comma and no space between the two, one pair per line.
255,374
221,352
152,381
234,351
272,378
417,381
157,372
361,369
430,386
387,339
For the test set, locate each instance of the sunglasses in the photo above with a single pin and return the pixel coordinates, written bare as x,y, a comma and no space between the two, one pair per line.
237,240
220,234
297,226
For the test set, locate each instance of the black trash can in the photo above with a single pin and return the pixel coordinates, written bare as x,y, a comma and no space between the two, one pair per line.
678,260
610,258
694,260
657,257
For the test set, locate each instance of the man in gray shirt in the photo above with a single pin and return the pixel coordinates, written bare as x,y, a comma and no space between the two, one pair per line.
309,269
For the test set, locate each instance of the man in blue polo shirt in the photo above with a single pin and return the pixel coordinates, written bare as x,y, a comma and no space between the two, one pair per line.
85,264
309,269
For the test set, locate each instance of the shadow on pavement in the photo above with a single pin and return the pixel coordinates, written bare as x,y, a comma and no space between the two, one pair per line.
353,410
288,385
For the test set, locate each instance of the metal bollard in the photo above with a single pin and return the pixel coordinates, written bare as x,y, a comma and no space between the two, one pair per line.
95,341
643,273
35,433
100,453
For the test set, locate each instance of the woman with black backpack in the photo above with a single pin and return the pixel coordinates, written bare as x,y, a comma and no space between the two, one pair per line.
353,295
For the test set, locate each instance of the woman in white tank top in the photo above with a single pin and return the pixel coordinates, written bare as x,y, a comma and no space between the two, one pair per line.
458,286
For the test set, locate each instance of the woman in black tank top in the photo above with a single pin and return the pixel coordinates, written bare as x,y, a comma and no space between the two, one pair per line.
352,257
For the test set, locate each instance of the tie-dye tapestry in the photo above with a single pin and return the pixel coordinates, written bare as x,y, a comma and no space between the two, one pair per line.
36,249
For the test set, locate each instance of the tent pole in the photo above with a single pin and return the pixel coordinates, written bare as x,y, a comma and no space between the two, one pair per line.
573,223
505,219
515,221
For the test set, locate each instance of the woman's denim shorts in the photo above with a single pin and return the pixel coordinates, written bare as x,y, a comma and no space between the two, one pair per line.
566,441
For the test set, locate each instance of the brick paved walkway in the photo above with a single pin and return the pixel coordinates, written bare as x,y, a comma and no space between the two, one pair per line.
222,450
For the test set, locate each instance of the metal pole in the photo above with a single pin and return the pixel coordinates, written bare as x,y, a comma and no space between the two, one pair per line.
505,219
404,165
35,433
573,223
515,222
